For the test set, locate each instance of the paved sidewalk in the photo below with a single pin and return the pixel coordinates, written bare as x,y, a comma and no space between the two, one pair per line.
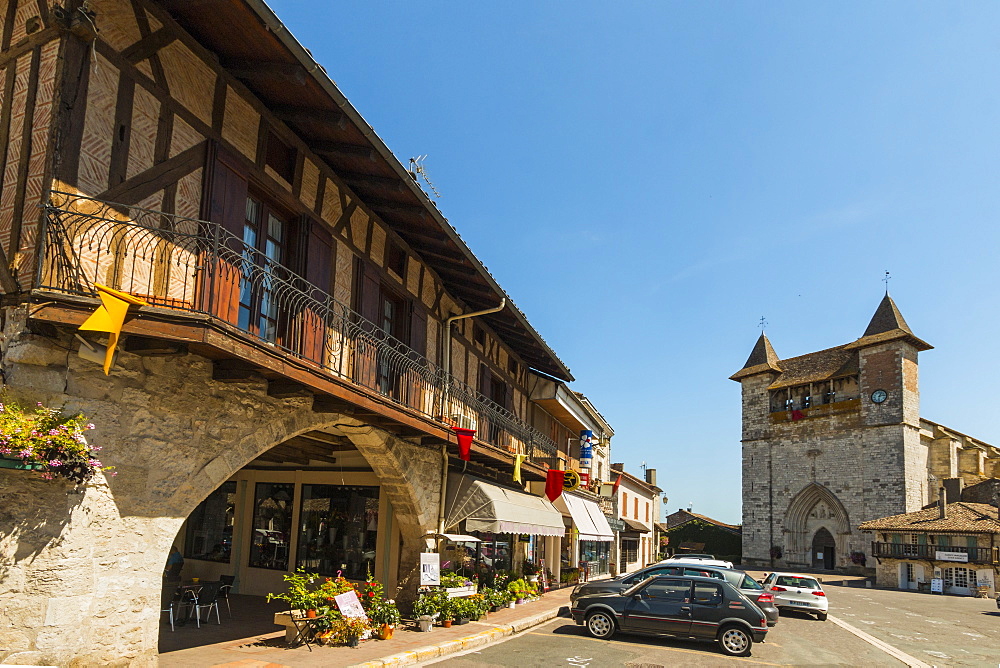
267,649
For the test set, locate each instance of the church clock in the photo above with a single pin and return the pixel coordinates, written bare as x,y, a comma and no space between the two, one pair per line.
878,396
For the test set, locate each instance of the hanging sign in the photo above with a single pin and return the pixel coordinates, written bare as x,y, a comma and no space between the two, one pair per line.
464,437
571,480
554,484
586,448
430,568
584,479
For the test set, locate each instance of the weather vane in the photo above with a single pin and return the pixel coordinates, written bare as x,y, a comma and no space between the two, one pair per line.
886,281
763,323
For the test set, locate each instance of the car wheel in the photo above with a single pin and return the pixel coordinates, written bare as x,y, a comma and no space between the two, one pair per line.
735,640
601,624
821,616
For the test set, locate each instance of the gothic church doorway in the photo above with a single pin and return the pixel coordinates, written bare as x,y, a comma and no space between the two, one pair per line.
823,550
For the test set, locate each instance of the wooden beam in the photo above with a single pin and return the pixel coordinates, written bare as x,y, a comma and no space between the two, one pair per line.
285,389
146,347
328,117
323,437
248,70
153,180
342,150
323,403
147,46
234,371
396,207
372,179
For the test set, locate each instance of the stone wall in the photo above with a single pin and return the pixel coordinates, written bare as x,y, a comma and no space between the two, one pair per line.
80,567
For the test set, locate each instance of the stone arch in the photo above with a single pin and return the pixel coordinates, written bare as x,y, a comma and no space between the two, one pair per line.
81,574
801,522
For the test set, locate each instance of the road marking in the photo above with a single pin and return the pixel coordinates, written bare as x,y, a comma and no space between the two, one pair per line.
913,662
667,649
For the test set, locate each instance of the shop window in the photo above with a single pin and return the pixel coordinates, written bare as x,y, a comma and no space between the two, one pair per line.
272,525
339,530
209,534
487,557
630,550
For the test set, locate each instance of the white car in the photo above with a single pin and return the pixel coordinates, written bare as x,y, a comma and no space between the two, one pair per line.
798,592
707,560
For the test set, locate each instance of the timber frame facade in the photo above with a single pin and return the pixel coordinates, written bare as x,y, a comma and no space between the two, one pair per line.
194,154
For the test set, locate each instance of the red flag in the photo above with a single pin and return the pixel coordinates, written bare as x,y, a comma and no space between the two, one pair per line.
614,490
554,484
798,415
464,437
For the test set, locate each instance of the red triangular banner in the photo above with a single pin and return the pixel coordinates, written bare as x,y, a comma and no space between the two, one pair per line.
554,484
464,437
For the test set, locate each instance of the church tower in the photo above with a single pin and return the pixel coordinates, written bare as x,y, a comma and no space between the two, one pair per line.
830,439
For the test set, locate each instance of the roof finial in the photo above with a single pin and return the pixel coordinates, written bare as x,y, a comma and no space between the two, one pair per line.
762,324
886,281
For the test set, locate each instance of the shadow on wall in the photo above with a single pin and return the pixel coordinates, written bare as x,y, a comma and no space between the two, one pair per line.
33,514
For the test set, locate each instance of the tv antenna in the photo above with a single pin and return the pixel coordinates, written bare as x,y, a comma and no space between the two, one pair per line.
418,171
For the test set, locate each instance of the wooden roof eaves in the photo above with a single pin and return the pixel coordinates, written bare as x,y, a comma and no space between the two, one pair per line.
278,29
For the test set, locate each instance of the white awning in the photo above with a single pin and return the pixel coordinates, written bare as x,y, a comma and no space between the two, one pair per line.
456,537
495,509
588,519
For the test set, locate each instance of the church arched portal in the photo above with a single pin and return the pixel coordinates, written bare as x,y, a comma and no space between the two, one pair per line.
814,509
823,550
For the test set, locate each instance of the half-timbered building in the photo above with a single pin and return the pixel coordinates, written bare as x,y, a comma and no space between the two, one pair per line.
312,329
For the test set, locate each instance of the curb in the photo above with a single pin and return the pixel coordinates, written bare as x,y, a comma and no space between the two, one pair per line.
421,654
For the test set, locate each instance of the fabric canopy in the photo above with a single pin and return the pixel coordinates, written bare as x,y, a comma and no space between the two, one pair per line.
589,520
638,527
494,509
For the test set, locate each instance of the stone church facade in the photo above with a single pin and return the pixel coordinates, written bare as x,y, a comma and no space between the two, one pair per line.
834,438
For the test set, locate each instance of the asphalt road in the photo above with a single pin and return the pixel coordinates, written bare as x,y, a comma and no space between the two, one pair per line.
930,629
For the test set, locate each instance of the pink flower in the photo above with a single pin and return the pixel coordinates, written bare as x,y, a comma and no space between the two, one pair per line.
54,463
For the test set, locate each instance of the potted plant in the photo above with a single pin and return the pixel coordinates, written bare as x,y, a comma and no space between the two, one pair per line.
426,609
43,440
323,625
519,589
384,615
348,630
477,606
299,596
530,570
448,607
461,610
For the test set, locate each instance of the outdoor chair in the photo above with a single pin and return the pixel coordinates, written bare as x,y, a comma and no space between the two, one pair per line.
169,600
208,597
227,586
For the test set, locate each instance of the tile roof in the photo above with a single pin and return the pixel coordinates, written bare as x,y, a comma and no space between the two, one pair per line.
823,365
682,517
962,516
886,319
762,358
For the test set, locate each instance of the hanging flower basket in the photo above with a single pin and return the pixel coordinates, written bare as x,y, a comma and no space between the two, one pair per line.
45,441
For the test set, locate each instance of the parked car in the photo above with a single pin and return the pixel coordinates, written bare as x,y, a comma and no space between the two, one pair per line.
707,559
681,606
798,592
739,579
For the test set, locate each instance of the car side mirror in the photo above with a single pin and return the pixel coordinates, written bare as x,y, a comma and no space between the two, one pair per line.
638,597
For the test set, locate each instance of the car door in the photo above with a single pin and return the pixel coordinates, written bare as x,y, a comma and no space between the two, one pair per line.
662,606
707,609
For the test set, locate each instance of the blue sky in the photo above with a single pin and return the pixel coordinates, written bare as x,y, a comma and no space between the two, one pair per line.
648,179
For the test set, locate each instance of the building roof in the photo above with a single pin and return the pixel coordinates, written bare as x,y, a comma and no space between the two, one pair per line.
613,476
962,516
635,525
682,517
886,325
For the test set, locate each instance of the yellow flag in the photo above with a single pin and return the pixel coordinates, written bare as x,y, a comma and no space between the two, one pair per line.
517,466
109,317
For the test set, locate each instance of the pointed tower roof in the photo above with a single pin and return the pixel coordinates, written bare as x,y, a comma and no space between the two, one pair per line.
762,358
886,325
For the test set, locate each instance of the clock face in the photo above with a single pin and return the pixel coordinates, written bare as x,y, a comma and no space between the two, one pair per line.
878,396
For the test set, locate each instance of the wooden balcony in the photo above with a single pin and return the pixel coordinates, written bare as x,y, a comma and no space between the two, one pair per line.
977,555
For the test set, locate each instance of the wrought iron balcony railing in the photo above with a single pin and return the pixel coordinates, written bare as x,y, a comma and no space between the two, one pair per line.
977,555
197,266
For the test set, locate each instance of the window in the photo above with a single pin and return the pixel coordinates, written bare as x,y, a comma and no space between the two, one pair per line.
749,583
339,529
959,577
272,525
635,507
708,594
668,590
395,258
908,573
630,550
911,549
624,504
265,236
704,574
647,511
210,527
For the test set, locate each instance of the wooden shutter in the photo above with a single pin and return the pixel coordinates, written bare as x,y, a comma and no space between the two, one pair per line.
319,272
418,329
371,294
226,205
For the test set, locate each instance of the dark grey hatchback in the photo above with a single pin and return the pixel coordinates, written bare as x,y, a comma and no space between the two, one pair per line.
685,607
739,579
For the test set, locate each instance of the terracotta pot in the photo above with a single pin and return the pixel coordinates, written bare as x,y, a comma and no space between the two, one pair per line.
446,623
310,613
385,633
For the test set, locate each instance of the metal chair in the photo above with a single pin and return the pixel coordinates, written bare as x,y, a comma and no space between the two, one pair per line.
208,597
168,598
227,585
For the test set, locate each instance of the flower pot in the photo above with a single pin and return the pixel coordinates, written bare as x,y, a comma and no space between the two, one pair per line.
461,620
446,623
426,626
520,601
310,614
353,641
494,608
512,605
532,578
385,632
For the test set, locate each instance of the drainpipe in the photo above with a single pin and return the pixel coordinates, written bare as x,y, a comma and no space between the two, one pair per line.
447,386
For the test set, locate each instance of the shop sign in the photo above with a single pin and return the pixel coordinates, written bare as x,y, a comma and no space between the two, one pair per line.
430,568
616,524
586,448
951,556
937,585
584,479
571,480
350,606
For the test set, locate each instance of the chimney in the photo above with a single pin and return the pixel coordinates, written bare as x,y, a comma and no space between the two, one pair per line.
953,489
651,477
942,504
618,467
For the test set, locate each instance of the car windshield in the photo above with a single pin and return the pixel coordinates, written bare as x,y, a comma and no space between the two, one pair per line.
796,581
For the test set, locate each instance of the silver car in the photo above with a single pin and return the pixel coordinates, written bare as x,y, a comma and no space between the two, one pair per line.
798,592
